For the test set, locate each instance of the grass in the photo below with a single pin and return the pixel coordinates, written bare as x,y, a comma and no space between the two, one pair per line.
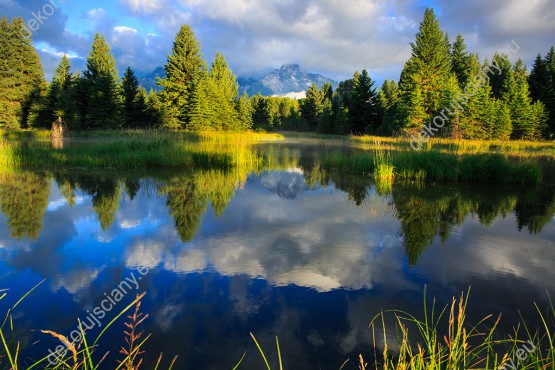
442,339
463,345
135,150
82,354
520,148
436,166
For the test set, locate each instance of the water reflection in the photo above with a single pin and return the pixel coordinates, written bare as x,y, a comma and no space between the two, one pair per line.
296,251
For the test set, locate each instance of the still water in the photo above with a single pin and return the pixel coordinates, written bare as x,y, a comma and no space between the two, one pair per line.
290,251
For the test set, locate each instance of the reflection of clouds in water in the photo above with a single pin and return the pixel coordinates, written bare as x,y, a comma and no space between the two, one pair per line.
166,316
55,204
187,261
144,254
129,224
283,183
317,241
75,280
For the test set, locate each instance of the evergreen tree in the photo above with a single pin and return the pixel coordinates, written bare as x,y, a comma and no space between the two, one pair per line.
261,114
135,102
225,91
502,126
364,109
130,91
388,98
427,83
312,106
200,100
527,120
183,67
461,61
58,102
244,110
542,87
22,84
103,109
499,74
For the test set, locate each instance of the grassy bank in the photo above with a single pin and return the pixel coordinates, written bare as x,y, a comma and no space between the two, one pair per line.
512,147
436,166
136,150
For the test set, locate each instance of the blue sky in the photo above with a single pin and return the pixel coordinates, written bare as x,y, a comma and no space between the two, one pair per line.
333,37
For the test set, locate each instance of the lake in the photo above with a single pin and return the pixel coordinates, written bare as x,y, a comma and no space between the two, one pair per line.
290,250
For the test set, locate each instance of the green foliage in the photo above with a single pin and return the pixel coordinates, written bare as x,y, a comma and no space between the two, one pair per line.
542,88
101,77
183,67
427,83
23,199
22,84
461,61
135,102
499,72
364,107
60,102
527,120
312,106
388,97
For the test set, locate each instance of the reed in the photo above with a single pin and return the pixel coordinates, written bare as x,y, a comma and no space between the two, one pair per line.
81,355
462,345
436,166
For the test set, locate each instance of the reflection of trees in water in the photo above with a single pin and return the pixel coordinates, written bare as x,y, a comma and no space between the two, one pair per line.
535,209
105,191
424,211
435,210
23,200
187,197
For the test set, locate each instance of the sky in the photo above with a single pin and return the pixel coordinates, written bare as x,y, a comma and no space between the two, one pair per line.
332,37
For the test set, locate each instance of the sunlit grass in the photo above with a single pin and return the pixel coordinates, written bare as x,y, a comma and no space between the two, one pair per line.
423,344
436,166
519,148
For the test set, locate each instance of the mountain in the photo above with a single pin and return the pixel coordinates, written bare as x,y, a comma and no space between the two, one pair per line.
285,80
149,81
289,80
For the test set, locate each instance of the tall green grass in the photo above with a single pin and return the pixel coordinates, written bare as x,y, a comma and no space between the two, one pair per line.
437,166
82,355
463,345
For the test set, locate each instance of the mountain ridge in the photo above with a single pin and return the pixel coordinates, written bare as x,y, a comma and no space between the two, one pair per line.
288,80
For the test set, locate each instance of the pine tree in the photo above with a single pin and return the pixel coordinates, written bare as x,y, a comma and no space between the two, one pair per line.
364,109
502,126
312,107
542,88
103,109
134,101
183,66
200,100
58,101
427,83
461,61
225,91
499,74
244,110
388,97
527,120
22,83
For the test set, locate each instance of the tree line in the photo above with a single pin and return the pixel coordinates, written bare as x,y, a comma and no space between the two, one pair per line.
511,104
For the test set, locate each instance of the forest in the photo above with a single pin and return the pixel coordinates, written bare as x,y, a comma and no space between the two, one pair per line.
197,96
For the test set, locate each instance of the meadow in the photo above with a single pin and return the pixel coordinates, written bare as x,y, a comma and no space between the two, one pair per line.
388,159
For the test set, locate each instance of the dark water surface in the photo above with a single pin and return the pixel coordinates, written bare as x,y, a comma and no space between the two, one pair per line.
292,252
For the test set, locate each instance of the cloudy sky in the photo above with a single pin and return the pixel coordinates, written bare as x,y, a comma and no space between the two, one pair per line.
333,37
